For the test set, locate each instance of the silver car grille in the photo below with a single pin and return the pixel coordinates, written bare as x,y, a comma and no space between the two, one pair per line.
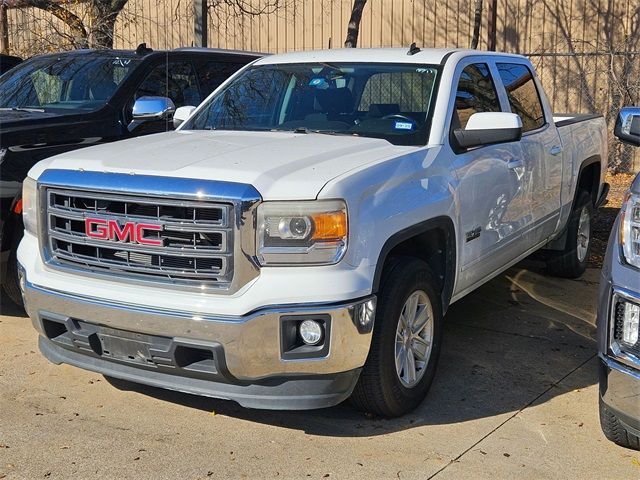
196,238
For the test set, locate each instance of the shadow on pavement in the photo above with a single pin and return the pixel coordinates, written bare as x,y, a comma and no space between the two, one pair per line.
504,345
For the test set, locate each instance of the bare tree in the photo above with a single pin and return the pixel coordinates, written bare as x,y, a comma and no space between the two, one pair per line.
223,9
612,56
95,30
477,20
353,28
247,7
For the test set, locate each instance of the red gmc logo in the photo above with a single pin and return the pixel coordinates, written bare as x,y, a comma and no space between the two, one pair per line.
112,230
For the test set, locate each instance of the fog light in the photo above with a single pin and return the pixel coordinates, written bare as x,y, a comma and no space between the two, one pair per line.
630,322
310,332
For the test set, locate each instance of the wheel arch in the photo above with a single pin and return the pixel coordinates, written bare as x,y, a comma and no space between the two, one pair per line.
438,237
589,178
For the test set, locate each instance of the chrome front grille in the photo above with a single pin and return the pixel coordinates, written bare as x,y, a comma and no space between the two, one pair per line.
193,240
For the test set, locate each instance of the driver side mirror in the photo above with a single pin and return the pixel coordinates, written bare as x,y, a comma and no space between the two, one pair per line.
488,128
627,127
149,109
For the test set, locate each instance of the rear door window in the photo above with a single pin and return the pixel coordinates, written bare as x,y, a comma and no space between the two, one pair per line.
175,80
212,73
523,95
475,93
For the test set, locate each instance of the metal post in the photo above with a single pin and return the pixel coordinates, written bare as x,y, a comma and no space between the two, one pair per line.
492,27
4,28
200,23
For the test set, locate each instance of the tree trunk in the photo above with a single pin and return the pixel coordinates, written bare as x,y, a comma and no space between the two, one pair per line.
354,24
80,36
477,20
4,28
103,15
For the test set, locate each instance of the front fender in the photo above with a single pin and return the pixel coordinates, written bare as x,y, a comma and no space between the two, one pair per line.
392,196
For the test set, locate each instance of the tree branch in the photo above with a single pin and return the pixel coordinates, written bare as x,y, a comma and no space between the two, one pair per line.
73,21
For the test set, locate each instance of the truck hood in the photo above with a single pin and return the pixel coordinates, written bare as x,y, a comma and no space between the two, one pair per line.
280,165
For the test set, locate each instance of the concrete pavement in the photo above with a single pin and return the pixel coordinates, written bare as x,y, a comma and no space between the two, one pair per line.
515,397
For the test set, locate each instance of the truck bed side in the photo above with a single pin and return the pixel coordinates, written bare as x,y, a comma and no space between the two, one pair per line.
584,142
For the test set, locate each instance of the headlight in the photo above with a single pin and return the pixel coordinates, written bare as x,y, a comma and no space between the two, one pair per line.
291,233
29,205
625,313
630,230
3,152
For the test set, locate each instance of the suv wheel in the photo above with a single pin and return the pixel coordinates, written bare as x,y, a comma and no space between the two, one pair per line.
406,341
572,261
615,431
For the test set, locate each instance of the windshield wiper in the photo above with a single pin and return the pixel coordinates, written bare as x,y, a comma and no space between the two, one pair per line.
22,109
320,132
335,132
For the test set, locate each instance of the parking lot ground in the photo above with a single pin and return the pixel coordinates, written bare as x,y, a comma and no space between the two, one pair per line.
515,396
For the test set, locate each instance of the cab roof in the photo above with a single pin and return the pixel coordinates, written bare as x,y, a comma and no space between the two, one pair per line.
377,55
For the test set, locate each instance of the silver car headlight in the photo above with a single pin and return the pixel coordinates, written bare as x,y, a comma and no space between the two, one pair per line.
309,233
29,205
630,230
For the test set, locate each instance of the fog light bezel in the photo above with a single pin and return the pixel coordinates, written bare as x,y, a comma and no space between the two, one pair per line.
291,345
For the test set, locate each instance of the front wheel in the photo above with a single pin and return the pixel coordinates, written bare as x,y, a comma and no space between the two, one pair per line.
615,431
406,341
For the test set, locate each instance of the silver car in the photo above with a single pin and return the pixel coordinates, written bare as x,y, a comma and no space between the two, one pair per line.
619,311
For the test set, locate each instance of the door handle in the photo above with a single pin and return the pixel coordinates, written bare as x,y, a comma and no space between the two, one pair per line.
515,163
556,150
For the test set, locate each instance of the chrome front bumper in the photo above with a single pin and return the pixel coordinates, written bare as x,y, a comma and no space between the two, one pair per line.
247,350
620,391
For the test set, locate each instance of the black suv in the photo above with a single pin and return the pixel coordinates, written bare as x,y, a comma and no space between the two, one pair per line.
51,104
7,62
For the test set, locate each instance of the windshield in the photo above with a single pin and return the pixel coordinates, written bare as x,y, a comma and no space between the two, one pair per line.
66,83
387,101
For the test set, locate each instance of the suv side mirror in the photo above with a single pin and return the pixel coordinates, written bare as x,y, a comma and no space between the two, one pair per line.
151,109
181,115
627,127
488,128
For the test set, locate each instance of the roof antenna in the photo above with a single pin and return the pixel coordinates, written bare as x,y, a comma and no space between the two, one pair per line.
143,49
413,49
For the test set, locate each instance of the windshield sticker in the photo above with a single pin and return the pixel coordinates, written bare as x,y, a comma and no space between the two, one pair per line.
403,125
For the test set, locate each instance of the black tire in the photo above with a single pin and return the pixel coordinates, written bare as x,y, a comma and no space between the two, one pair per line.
11,284
379,389
615,431
566,263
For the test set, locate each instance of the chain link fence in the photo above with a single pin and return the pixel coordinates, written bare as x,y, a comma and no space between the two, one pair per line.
598,82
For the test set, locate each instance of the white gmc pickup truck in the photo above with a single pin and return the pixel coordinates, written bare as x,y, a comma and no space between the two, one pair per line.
298,239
